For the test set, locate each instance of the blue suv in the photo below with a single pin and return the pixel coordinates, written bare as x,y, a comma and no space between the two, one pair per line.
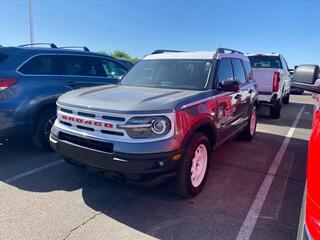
32,78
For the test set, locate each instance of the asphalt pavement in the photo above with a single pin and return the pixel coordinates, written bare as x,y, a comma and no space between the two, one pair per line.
254,191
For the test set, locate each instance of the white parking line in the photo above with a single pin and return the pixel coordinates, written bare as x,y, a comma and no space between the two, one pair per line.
24,174
253,214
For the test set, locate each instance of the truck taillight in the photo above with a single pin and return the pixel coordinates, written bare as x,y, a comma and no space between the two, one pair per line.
6,82
276,81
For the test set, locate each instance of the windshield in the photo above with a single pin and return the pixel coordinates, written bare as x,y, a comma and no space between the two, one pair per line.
170,73
265,62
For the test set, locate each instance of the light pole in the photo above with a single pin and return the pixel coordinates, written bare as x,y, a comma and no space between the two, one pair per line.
31,23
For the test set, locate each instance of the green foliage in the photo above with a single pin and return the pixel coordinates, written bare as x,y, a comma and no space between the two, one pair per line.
121,54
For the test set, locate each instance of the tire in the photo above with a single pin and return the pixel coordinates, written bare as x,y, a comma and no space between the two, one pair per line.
186,187
250,130
286,98
43,127
275,111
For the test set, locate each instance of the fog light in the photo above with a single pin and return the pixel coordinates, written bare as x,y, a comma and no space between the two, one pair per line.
176,157
161,163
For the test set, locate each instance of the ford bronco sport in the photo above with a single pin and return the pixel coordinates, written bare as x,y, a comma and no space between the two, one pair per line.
162,120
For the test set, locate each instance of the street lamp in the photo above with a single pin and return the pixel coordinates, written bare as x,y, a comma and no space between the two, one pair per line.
31,23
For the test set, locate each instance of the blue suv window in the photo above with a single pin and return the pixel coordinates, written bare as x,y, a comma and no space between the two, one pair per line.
81,66
113,69
3,57
41,65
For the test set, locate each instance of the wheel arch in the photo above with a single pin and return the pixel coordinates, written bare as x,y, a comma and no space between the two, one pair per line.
41,106
203,126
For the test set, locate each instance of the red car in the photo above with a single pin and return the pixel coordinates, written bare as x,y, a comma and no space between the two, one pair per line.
306,77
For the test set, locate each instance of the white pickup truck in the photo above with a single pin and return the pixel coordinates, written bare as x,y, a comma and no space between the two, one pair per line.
273,79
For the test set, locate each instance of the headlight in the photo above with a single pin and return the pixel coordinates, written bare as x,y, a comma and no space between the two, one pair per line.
147,127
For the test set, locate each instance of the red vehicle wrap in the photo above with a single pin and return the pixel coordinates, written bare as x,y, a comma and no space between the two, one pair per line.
313,177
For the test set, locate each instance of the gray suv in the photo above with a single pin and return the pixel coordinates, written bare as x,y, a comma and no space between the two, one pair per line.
32,79
162,120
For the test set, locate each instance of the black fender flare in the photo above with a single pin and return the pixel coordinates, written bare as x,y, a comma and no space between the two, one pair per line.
200,126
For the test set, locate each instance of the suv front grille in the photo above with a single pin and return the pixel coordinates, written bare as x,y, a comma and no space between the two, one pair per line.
85,142
94,122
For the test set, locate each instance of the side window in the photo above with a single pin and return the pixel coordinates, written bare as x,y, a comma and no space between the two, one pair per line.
41,65
81,66
239,74
247,69
113,69
225,70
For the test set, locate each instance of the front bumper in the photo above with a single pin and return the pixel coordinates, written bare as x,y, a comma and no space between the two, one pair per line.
144,169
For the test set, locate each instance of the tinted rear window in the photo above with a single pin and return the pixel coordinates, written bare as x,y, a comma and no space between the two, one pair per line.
265,62
81,66
3,57
41,65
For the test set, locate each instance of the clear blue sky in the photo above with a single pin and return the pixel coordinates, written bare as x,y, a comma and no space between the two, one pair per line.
140,26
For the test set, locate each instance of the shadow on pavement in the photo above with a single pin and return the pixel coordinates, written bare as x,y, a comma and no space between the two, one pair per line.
232,184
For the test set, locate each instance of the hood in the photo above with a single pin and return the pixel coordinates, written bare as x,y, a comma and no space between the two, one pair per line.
119,98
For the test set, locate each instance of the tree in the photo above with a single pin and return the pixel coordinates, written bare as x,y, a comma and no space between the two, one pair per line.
121,54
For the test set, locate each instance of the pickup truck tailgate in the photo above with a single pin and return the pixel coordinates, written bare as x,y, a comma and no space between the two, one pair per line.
264,78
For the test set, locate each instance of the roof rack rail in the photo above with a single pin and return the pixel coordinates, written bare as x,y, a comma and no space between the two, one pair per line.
52,45
224,50
83,47
165,51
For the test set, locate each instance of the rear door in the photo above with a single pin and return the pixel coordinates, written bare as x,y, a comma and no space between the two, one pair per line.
229,103
246,88
85,71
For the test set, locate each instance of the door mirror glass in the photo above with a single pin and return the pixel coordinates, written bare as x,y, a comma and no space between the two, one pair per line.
306,77
229,85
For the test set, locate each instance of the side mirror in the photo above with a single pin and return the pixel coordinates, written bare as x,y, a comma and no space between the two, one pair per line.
229,85
291,71
306,77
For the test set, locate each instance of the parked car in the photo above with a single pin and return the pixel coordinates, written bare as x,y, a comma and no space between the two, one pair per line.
274,80
32,79
175,107
306,77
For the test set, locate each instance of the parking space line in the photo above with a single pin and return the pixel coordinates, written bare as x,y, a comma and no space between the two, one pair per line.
251,219
24,174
